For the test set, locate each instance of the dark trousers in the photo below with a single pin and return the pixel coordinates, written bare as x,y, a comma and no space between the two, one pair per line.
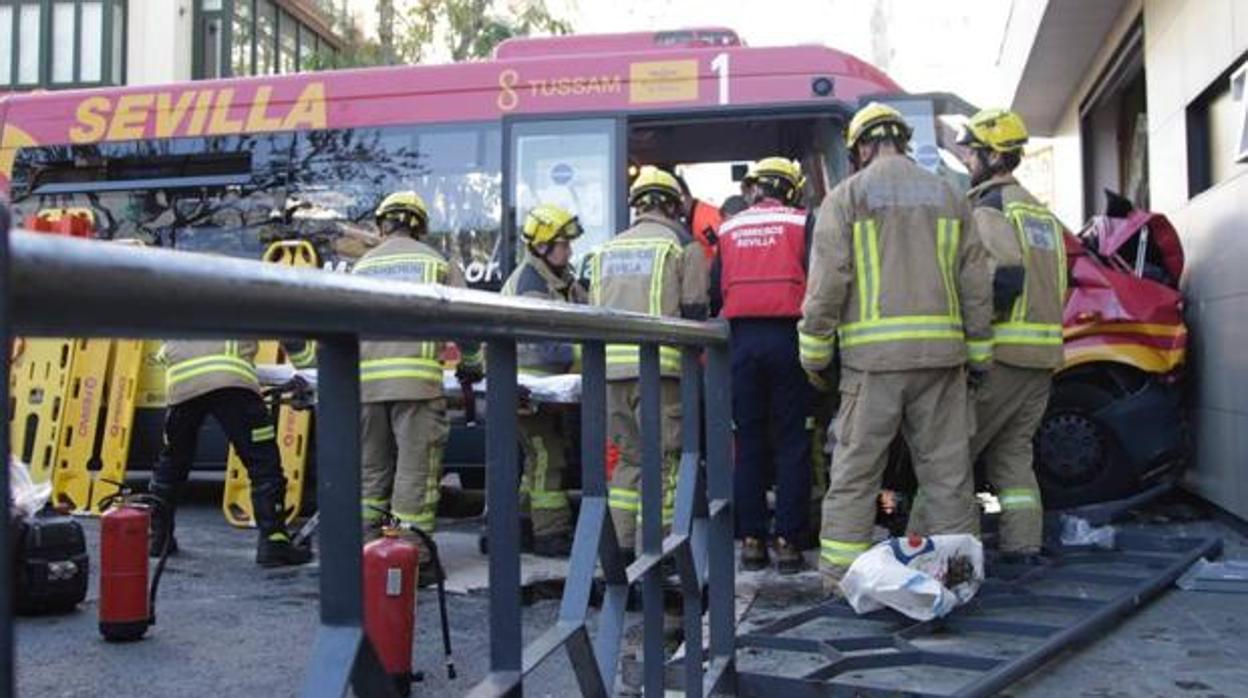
247,423
771,401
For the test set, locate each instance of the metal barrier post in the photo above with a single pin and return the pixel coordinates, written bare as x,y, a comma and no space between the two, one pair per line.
720,575
687,508
6,555
503,504
652,476
342,654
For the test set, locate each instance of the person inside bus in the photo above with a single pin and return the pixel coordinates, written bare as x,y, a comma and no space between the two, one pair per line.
403,421
702,219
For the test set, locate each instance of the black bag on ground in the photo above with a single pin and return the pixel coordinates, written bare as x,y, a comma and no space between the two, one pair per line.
51,565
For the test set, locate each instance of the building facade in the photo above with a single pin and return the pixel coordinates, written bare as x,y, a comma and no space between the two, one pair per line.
1146,98
60,44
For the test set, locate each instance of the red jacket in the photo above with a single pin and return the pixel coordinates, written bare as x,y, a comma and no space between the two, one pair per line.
705,226
762,260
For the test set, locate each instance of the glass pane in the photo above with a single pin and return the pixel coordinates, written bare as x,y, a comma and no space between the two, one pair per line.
289,46
308,48
119,43
212,48
63,42
91,50
341,175
235,220
266,48
569,164
211,5
28,45
240,43
6,45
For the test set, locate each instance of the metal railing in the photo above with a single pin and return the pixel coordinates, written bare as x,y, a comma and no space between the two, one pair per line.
57,286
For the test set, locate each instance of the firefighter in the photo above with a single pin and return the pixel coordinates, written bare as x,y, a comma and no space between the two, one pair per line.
758,281
1027,261
403,421
545,273
217,378
654,267
897,280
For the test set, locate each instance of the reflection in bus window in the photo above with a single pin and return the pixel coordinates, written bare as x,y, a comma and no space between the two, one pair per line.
235,195
344,174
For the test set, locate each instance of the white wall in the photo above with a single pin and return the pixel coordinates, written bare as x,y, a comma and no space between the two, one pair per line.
160,43
1188,45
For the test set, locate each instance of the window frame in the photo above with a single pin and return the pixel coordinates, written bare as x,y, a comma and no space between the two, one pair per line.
46,47
306,38
1199,140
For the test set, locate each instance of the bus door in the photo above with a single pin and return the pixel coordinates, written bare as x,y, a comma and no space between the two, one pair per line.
576,163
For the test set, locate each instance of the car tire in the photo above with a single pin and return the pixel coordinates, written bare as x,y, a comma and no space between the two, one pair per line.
1078,460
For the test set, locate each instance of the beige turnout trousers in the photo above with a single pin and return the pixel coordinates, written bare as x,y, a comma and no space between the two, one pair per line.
624,432
1008,410
402,444
929,406
541,487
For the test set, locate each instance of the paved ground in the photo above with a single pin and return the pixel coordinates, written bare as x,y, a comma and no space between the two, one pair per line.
225,626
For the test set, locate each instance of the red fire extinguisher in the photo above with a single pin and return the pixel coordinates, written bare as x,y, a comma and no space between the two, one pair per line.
391,564
127,604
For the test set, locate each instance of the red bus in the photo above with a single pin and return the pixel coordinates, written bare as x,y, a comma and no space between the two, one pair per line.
233,165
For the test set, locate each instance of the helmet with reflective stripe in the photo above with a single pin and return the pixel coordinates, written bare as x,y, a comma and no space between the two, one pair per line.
547,223
1000,130
653,183
404,206
776,171
876,121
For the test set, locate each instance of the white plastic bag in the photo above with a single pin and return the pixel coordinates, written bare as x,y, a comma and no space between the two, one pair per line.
27,495
1077,531
909,575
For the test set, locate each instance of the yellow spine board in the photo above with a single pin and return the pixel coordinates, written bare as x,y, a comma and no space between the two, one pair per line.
85,401
38,379
125,368
292,425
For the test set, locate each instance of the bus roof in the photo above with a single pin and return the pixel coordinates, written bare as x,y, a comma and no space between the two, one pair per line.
584,44
674,80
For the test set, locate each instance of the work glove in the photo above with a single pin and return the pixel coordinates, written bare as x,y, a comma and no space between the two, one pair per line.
469,372
817,381
976,376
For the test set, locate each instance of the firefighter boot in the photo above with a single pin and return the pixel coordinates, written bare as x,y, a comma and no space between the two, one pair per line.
160,534
754,554
274,549
789,558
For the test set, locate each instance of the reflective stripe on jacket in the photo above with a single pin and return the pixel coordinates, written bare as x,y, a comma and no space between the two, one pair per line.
762,253
194,368
535,279
897,275
656,268
1019,231
396,370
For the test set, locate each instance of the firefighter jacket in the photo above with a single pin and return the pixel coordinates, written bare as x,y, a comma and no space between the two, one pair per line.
897,275
535,279
1020,233
198,367
761,267
654,267
404,370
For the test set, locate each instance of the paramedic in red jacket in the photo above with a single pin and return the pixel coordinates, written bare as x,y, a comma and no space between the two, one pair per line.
758,282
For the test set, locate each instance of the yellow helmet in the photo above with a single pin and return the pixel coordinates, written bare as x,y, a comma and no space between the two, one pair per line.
1000,130
405,206
547,223
876,121
778,171
653,182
